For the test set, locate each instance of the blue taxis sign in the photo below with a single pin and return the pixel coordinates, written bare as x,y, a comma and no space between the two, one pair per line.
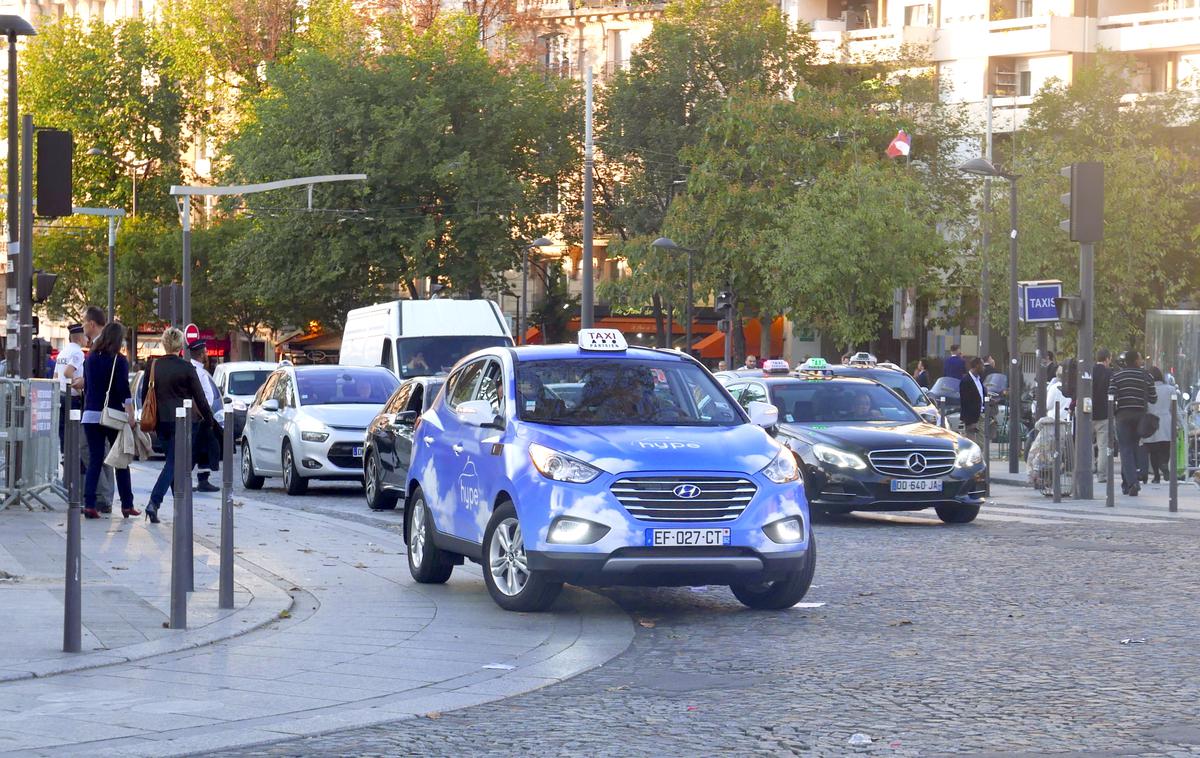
1037,301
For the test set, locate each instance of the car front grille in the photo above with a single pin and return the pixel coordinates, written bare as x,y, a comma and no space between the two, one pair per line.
341,454
661,498
913,463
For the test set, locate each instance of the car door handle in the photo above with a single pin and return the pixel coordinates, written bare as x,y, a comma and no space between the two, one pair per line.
457,448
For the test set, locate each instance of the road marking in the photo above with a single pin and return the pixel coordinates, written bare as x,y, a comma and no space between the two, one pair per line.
1070,514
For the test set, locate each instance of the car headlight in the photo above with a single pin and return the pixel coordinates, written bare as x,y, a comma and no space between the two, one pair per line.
559,466
575,531
838,458
786,531
783,468
314,436
969,454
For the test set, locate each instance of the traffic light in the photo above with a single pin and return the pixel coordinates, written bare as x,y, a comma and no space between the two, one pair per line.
1070,309
168,303
724,300
1086,201
54,152
43,286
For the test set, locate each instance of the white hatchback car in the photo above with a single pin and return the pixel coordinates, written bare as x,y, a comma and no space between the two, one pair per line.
309,422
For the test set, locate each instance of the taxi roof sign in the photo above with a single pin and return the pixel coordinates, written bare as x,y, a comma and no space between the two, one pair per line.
775,366
863,359
813,364
603,340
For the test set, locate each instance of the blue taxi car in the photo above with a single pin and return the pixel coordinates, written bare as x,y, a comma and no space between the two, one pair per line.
598,463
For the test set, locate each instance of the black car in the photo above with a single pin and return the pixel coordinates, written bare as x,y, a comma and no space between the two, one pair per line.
898,380
862,448
389,441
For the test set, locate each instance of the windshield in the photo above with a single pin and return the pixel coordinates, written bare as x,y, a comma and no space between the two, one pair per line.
903,384
346,387
828,402
945,386
426,356
247,382
617,392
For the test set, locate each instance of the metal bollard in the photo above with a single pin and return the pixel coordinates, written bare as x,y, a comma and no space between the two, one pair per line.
1057,457
188,541
225,595
73,585
183,429
1173,497
1110,494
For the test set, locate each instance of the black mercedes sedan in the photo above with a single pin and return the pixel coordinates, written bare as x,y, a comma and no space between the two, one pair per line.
863,448
387,449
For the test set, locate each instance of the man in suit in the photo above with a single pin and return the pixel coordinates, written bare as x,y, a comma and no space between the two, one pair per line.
973,400
954,367
1101,374
206,440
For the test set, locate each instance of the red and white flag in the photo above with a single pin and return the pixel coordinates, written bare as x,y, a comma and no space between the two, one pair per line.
901,144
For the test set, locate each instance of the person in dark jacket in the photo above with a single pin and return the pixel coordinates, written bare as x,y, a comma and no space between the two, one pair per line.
954,367
174,380
922,375
105,377
1101,374
972,398
1133,392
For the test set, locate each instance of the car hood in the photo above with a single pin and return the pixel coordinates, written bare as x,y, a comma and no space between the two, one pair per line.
342,416
877,435
745,449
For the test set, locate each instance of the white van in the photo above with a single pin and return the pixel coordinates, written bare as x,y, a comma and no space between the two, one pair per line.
421,337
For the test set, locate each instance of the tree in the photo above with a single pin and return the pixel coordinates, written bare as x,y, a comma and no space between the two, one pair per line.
111,86
463,153
1150,149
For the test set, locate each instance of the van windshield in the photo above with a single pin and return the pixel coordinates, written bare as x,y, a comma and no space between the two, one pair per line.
426,356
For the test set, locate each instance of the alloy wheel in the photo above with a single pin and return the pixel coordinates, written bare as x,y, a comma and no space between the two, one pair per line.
416,534
506,558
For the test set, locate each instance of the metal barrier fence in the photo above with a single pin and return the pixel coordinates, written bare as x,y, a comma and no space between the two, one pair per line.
30,411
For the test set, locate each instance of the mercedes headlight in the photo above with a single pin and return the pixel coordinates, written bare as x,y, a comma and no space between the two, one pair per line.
838,458
559,466
783,468
969,454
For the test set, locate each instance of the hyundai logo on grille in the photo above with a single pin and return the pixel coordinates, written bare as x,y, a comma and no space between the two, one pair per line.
917,463
687,491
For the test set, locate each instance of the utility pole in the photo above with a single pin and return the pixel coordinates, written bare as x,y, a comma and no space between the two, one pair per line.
25,254
185,217
587,313
985,288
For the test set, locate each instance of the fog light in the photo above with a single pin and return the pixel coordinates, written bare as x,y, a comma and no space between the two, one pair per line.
310,463
786,531
576,531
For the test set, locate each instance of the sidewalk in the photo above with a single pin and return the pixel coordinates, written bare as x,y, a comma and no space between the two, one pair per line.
126,572
361,645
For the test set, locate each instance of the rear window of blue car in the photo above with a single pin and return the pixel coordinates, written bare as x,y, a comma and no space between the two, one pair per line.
612,392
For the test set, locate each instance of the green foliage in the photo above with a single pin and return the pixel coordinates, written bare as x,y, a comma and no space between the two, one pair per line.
1150,149
463,155
110,85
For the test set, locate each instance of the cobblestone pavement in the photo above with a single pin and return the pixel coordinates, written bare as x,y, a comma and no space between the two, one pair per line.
999,637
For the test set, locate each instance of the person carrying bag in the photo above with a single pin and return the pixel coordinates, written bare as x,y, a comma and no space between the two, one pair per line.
104,414
1133,392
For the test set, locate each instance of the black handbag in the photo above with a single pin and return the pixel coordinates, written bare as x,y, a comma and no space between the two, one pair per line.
1147,425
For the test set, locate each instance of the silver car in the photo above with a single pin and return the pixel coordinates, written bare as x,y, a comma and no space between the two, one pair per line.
309,422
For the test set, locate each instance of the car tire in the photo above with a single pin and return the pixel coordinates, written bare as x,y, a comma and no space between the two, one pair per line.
505,566
378,499
427,563
957,514
781,593
250,480
292,481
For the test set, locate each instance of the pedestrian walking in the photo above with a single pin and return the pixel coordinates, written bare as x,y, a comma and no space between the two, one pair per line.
68,371
1049,366
1158,444
972,401
107,406
954,367
206,440
94,321
1133,390
172,380
922,375
1101,374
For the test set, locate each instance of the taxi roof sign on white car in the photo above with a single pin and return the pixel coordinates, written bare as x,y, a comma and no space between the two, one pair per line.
609,340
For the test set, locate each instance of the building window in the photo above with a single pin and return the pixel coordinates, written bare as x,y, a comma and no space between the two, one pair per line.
1025,86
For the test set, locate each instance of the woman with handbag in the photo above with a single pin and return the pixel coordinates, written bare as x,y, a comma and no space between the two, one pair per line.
172,380
107,407
1158,443
1133,393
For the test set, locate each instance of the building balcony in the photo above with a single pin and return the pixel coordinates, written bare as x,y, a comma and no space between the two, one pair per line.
836,44
1018,37
1177,29
563,11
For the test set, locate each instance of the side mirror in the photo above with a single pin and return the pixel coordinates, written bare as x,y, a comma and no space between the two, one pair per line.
226,400
404,418
763,414
271,406
479,413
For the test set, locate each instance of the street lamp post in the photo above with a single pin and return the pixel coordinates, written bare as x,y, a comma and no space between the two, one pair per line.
114,216
13,27
985,168
522,312
133,167
666,243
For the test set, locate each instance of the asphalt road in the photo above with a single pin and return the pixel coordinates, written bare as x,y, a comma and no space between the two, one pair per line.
1000,637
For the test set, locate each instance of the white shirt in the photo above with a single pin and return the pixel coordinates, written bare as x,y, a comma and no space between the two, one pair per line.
70,356
210,391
